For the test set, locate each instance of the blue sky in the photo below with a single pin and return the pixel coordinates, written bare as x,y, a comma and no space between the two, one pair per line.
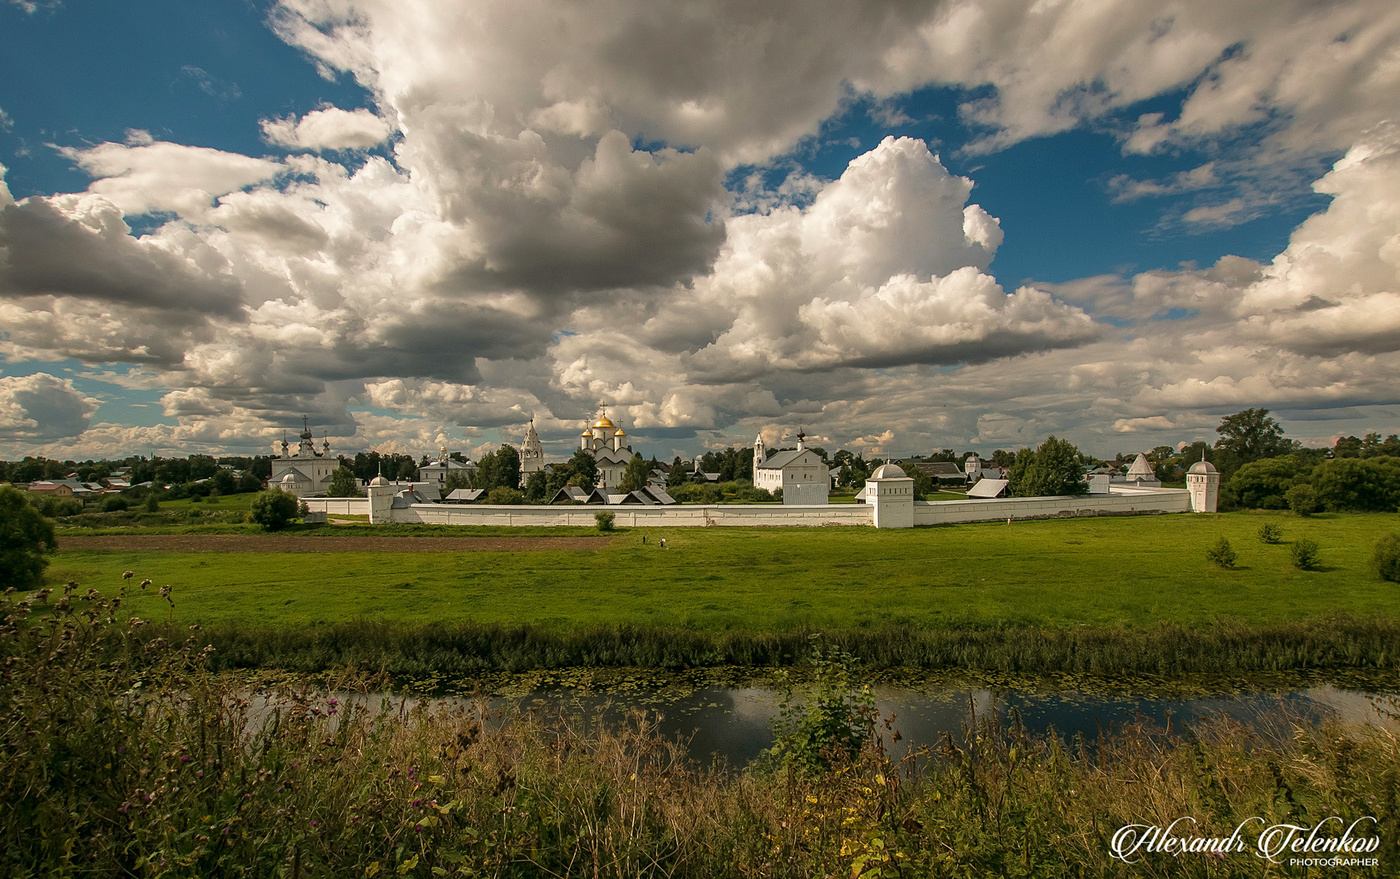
906,227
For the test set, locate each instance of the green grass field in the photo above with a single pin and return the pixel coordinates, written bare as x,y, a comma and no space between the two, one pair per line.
1100,572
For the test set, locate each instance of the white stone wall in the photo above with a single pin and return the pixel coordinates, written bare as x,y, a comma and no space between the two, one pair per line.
339,506
679,516
685,515
1166,500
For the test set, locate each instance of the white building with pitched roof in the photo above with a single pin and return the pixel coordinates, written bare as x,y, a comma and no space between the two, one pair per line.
799,473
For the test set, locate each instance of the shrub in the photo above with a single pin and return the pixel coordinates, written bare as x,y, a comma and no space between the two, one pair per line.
114,504
1385,561
273,509
1270,533
604,518
56,507
830,723
152,505
503,494
26,539
1222,554
1304,551
1304,500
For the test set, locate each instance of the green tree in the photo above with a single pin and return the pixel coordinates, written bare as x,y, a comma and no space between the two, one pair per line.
455,479
1264,484
224,481
274,509
680,473
635,476
26,539
1055,468
343,483
536,487
583,470
1249,436
504,494
508,467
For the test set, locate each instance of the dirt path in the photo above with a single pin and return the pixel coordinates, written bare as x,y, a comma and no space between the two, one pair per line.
274,543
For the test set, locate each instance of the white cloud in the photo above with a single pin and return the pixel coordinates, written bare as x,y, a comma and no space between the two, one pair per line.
143,176
40,408
328,129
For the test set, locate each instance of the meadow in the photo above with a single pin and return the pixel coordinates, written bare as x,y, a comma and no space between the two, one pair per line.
125,756
1099,572
1100,596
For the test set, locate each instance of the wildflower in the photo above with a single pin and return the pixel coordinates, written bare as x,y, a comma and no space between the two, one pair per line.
127,575
184,758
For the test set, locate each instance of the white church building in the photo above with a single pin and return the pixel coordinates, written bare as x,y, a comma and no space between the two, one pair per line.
799,473
608,444
308,472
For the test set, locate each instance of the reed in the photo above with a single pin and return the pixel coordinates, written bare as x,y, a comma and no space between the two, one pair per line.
466,649
127,756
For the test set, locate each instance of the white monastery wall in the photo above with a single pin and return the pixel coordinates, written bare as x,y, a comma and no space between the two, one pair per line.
338,506
679,516
1167,500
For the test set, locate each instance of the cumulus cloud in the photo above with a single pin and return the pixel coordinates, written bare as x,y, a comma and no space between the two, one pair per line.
144,176
550,227
80,246
42,408
329,129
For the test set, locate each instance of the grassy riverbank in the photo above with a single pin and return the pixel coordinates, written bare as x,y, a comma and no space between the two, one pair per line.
126,756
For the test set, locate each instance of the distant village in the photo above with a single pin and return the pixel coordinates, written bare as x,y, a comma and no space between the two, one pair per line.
605,470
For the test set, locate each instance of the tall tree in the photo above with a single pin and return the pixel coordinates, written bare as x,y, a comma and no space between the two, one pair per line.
508,467
26,539
343,483
635,476
1247,436
583,470
1055,468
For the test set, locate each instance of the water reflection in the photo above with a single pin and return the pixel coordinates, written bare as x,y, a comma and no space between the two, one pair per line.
733,724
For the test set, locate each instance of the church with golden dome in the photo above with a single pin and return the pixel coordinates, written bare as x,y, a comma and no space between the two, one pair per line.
610,448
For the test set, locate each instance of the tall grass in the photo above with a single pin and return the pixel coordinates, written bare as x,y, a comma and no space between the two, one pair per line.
464,649
126,756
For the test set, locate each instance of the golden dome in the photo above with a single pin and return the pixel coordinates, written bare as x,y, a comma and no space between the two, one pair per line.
586,433
620,432
603,422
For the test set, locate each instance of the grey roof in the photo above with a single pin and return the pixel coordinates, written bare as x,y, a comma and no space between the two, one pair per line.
659,495
988,488
464,495
779,460
570,493
937,469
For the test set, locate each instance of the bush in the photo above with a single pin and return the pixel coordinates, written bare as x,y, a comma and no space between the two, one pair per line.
152,505
502,494
604,518
56,507
273,509
26,539
114,504
1222,554
1304,500
1385,561
1304,552
1270,533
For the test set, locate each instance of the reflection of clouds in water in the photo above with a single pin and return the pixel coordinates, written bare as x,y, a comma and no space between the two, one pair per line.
734,725
1350,706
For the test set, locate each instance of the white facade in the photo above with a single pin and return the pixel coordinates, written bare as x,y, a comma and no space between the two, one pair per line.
531,454
436,473
891,493
611,451
799,472
1203,484
308,472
